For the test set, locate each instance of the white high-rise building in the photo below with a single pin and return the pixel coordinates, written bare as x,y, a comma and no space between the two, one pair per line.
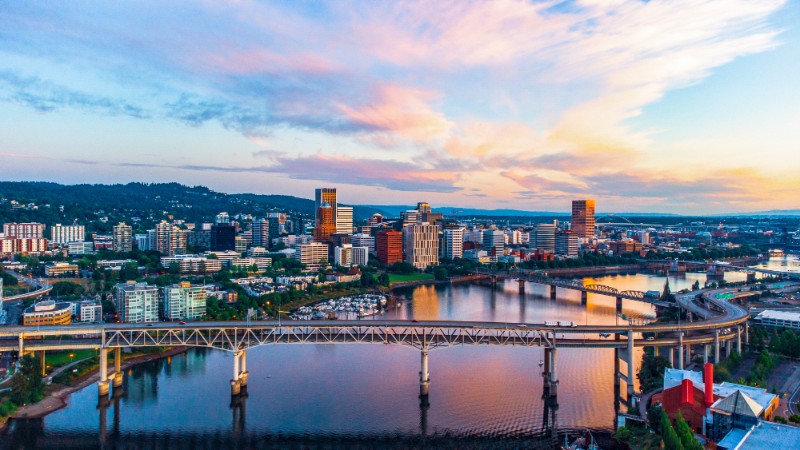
453,243
137,302
64,234
421,245
363,240
261,233
23,230
344,219
360,256
122,238
184,302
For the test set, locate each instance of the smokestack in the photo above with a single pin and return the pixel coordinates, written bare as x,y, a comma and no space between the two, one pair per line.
708,384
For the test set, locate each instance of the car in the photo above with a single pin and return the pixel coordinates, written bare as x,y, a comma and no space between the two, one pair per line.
181,323
414,320
522,325
651,338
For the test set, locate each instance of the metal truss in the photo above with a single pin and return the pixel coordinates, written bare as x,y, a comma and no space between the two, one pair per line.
238,338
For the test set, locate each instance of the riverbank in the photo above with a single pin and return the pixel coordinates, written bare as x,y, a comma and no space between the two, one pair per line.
57,395
594,270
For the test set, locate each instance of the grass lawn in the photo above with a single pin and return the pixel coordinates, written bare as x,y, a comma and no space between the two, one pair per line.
401,278
58,359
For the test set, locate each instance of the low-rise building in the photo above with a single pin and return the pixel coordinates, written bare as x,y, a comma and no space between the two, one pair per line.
192,264
60,269
47,312
91,311
312,255
778,319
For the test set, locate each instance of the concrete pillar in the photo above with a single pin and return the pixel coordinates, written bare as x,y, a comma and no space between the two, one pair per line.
102,385
553,375
747,333
680,350
546,372
552,297
619,305
21,346
728,347
705,353
424,376
716,346
43,363
584,296
236,385
671,356
243,374
687,360
616,371
521,286
630,363
117,379
739,339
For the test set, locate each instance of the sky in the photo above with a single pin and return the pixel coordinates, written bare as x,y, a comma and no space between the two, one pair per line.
677,106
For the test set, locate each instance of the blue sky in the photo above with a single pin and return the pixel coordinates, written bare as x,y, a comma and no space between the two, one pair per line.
674,106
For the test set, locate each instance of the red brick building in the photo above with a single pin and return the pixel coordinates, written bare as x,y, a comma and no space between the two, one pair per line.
389,246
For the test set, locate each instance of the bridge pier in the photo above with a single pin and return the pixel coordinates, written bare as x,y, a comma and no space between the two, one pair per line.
521,283
424,375
728,348
552,292
687,360
43,363
549,375
102,385
739,339
619,305
716,346
117,376
680,350
240,373
630,365
584,296
705,353
747,333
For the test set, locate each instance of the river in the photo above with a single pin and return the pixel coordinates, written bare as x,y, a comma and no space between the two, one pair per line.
366,395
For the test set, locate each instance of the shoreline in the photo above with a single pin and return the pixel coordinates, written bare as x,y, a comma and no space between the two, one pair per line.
58,398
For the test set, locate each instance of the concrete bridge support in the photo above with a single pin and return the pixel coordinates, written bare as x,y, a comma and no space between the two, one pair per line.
550,375
43,363
584,297
240,373
552,294
687,360
117,376
102,385
716,346
630,365
680,350
739,340
728,347
747,333
705,353
424,375
619,305
521,286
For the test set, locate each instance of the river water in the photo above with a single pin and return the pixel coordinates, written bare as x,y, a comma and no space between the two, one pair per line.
304,396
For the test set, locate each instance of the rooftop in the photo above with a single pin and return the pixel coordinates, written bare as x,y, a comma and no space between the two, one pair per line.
764,435
779,315
673,377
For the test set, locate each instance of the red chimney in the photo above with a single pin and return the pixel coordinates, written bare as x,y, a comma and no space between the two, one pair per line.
708,383
687,392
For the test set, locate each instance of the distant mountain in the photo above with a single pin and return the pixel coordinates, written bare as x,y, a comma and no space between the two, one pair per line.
772,212
395,210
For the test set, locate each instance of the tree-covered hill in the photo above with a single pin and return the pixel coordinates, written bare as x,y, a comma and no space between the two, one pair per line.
86,203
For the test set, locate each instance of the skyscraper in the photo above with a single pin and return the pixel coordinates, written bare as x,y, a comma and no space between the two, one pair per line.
389,246
325,225
544,236
122,236
325,195
261,233
583,218
421,245
63,234
170,240
453,243
344,219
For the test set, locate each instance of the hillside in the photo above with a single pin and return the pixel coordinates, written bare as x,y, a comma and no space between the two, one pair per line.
86,203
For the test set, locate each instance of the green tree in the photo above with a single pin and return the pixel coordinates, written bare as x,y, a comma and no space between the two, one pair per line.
668,434
27,385
685,434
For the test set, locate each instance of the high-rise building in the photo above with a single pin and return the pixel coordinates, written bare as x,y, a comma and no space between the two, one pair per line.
566,243
64,234
360,256
312,255
222,217
261,233
137,302
223,237
421,245
343,255
493,243
344,219
389,246
170,240
453,240
184,302
544,237
30,230
583,218
122,238
325,195
325,225
363,240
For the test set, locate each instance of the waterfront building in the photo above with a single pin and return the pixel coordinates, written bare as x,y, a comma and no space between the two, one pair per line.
421,245
58,269
30,230
494,243
90,312
312,255
583,218
184,302
344,219
544,236
122,238
137,302
389,246
47,312
453,240
566,244
63,234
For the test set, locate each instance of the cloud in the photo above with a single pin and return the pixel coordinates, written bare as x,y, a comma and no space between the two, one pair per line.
44,97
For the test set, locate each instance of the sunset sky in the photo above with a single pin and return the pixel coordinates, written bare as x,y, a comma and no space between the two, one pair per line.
685,106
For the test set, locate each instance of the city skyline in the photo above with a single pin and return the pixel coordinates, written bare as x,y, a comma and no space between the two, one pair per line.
674,107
